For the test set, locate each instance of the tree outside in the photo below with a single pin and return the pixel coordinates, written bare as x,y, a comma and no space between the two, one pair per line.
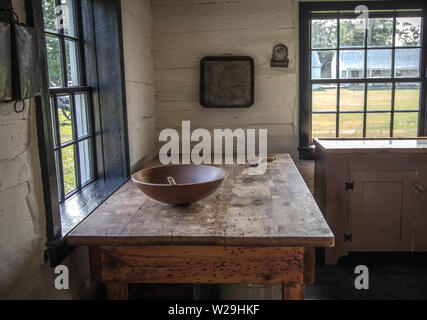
324,97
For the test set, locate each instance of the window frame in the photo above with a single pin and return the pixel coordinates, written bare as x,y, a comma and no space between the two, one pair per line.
77,38
312,10
75,140
102,45
72,91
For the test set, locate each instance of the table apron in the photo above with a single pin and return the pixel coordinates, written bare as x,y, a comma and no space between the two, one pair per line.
197,264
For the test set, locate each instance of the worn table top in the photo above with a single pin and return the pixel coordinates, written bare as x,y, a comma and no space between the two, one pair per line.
416,145
274,209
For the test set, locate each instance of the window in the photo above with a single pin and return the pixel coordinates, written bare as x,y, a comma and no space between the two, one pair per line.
84,153
71,100
345,100
365,76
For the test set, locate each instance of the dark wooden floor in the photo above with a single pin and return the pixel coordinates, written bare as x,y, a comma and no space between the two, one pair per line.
391,276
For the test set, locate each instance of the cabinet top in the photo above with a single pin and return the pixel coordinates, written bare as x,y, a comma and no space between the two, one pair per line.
416,145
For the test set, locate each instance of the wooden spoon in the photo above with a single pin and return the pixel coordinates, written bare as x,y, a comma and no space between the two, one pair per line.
171,181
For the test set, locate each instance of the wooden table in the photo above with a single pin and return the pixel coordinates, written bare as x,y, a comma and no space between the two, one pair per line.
255,229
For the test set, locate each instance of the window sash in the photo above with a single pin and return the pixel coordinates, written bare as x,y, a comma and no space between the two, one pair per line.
67,89
365,80
63,38
75,140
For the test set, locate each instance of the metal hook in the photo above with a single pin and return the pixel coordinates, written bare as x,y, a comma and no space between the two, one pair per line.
10,15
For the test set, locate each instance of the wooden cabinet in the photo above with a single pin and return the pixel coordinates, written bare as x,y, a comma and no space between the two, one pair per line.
373,194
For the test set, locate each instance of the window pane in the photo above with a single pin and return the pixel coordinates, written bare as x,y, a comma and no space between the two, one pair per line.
408,31
351,125
352,32
72,63
58,174
324,97
324,125
323,64
54,62
380,32
82,114
323,34
407,96
85,160
379,96
69,23
352,64
69,168
407,63
49,15
379,63
352,96
64,117
55,137
378,125
405,125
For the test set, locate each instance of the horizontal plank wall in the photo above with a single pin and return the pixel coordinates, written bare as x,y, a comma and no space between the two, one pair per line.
185,31
139,79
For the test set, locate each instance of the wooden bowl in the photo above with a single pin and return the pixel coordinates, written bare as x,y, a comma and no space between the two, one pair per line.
193,182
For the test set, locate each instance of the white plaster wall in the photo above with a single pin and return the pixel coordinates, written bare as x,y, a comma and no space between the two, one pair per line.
23,272
184,31
20,194
139,78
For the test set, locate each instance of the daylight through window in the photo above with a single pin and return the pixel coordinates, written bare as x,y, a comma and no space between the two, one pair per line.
70,98
365,75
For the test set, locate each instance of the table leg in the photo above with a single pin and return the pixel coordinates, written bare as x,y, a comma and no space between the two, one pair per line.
117,291
309,265
293,291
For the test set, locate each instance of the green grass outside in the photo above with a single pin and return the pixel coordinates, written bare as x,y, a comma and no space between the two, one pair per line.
68,166
377,125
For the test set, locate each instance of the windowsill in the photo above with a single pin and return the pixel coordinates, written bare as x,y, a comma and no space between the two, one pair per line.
75,209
